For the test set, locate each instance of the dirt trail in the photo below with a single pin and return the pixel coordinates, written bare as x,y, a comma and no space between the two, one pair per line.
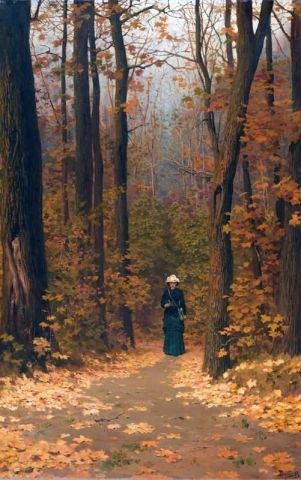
182,438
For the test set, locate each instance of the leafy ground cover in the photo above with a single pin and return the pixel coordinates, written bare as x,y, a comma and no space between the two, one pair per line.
141,414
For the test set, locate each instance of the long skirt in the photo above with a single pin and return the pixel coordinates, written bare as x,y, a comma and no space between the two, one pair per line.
173,329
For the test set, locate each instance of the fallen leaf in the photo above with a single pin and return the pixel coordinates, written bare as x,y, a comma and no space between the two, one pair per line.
149,443
173,435
163,453
140,427
223,474
142,470
243,438
113,426
227,453
259,449
82,439
173,458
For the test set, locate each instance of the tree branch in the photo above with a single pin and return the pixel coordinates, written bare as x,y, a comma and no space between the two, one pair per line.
36,15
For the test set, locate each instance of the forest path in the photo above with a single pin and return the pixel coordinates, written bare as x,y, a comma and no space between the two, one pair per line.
137,426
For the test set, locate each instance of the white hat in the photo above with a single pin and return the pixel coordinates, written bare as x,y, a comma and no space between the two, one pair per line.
172,278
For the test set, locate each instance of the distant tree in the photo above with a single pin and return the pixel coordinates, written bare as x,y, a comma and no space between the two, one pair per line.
24,263
83,11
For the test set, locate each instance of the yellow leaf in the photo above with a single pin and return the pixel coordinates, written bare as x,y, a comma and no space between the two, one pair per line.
149,443
227,453
243,438
259,449
163,453
82,439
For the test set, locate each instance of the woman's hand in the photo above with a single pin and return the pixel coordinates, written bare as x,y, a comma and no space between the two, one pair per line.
167,305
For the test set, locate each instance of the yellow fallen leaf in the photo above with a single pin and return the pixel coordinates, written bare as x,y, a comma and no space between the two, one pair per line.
259,449
163,453
223,474
227,453
140,427
263,470
243,438
176,457
149,443
142,470
173,435
113,426
82,439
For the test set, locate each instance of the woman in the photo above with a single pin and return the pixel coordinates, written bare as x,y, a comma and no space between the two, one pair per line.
173,326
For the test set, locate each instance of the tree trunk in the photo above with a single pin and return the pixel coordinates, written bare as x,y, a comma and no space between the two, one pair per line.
290,279
98,222
121,146
65,169
249,47
83,132
22,237
279,206
256,260
229,45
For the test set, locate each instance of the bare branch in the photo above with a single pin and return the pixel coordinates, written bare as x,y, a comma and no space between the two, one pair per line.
36,14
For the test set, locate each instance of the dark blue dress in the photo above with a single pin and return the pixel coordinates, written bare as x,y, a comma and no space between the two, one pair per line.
173,327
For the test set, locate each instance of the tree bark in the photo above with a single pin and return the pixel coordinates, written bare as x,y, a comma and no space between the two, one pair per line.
83,129
22,236
279,206
98,222
229,46
121,147
249,47
290,278
65,166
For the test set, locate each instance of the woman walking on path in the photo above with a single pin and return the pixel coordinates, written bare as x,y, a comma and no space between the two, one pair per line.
174,314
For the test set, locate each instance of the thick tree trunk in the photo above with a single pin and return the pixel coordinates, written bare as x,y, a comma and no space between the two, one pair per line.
24,261
98,222
83,131
65,166
249,47
121,146
290,301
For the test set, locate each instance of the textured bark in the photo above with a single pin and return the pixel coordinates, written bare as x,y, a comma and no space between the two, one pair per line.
121,147
249,47
83,130
256,259
229,46
65,166
290,287
98,225
279,206
22,237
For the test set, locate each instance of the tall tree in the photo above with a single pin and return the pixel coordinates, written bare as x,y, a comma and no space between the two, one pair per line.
65,169
22,237
249,48
121,148
290,287
83,129
98,223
